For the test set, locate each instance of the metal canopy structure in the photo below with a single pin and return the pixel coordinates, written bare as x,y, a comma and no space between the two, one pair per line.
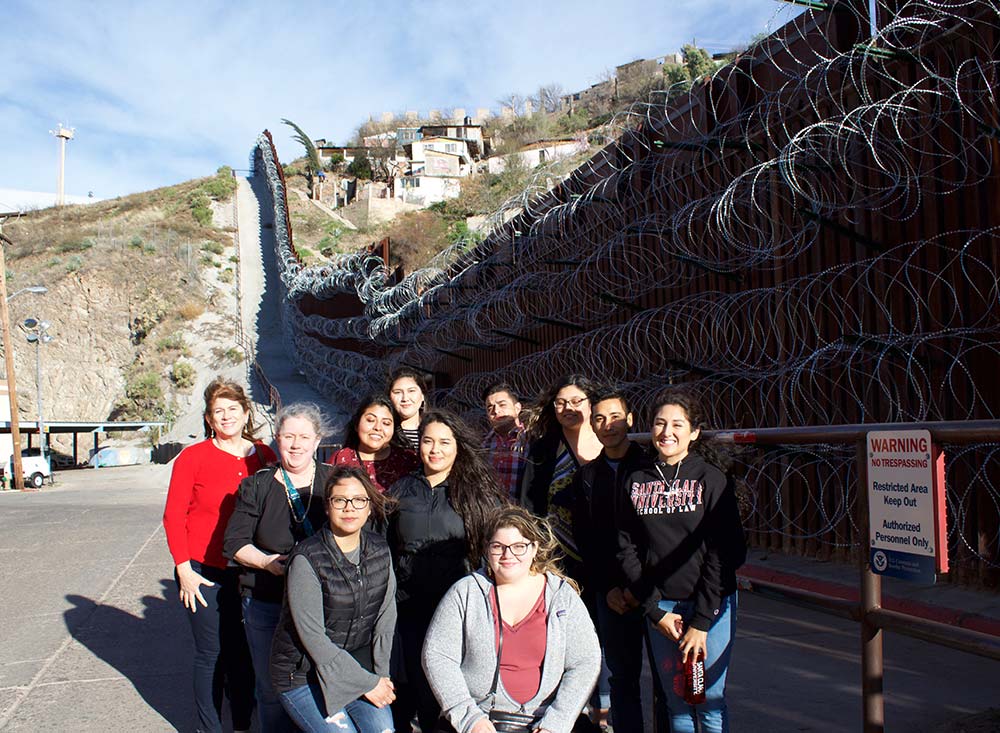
30,427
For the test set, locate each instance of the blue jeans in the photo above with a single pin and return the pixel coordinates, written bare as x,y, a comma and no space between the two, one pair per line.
306,707
712,714
622,638
221,656
260,619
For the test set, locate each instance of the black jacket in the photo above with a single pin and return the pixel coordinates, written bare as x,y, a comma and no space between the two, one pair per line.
594,527
263,518
352,597
536,474
427,539
680,536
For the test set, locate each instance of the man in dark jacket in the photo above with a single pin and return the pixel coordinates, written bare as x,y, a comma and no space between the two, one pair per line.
621,630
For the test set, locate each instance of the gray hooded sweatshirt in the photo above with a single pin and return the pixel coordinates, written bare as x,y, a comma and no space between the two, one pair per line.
460,656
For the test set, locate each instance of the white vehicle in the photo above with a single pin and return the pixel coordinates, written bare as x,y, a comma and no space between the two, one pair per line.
36,469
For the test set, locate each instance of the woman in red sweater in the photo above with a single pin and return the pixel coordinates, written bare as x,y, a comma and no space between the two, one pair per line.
201,499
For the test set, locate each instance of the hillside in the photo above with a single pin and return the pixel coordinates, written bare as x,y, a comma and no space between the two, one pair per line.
141,297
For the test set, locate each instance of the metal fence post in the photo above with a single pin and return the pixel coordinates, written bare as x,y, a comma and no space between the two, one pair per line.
871,599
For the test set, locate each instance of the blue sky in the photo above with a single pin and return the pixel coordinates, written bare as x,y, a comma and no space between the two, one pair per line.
164,92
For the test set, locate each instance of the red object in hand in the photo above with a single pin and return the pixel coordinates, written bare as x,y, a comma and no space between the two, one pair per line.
694,679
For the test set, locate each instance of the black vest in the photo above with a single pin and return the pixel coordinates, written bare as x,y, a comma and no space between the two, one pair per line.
352,598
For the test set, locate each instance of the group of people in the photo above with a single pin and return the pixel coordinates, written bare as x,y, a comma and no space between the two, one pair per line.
360,594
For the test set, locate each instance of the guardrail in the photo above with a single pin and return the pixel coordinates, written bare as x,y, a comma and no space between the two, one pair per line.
868,611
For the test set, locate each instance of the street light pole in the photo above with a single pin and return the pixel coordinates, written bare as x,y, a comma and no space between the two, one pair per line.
37,332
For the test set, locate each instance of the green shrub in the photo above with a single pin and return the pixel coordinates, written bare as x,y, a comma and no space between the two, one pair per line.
200,209
54,262
173,342
75,246
74,263
234,355
213,247
144,388
226,275
182,374
136,242
208,261
148,248
234,258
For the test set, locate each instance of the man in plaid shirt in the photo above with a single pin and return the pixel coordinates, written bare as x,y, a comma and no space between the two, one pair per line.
505,442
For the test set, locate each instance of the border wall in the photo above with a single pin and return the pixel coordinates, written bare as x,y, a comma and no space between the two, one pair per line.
811,236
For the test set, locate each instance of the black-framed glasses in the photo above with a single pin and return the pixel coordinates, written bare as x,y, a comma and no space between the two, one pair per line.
562,404
341,502
517,549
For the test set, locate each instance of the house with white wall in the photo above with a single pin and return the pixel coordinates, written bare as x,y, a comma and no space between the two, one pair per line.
533,155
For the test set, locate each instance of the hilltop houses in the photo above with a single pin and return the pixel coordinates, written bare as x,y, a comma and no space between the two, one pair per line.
420,165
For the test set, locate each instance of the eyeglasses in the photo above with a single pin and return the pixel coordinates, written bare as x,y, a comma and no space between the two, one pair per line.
561,404
341,502
517,549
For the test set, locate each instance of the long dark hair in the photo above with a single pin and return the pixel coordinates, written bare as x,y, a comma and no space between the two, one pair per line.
381,504
351,439
694,407
545,423
473,491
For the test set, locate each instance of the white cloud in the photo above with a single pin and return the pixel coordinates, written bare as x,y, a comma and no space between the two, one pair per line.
163,92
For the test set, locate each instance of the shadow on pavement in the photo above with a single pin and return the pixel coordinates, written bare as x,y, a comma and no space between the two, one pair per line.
153,652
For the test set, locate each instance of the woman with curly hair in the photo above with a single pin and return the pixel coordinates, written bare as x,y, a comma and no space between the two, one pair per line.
538,667
436,536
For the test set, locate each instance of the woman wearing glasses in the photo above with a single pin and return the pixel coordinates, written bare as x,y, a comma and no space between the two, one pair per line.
436,536
539,663
276,508
561,440
330,656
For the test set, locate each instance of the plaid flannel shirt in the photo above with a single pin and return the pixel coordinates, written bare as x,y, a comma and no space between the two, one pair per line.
507,456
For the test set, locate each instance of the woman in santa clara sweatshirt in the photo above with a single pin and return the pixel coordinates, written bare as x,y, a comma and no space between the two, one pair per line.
680,543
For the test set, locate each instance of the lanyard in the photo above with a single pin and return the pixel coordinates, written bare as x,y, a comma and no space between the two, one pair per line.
295,502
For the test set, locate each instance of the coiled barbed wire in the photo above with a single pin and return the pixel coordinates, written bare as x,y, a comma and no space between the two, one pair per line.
723,197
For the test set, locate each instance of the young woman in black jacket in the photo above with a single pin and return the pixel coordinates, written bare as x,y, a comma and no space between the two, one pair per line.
680,543
436,537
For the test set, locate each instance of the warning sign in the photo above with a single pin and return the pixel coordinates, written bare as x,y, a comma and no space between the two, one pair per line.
906,505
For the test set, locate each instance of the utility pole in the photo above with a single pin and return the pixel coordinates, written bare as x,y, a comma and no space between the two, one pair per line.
64,134
17,480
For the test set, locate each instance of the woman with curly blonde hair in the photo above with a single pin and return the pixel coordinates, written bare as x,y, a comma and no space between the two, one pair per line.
538,667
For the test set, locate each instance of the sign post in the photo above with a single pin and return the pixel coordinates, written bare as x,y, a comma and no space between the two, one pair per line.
906,505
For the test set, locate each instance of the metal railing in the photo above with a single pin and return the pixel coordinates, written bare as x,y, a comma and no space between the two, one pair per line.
868,610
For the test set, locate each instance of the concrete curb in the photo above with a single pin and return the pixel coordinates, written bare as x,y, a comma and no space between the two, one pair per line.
940,614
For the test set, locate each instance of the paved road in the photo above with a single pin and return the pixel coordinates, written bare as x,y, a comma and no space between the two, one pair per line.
94,640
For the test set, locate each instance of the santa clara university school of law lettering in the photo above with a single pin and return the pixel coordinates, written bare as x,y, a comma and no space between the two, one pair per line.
906,503
667,497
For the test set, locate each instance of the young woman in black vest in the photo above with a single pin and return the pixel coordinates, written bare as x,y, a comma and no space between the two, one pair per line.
330,657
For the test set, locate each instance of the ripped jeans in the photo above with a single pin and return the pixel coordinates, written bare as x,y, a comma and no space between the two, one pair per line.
305,706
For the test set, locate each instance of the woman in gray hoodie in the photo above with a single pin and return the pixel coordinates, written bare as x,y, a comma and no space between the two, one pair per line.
548,651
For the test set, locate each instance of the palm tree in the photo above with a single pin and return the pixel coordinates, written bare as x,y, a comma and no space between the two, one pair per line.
313,165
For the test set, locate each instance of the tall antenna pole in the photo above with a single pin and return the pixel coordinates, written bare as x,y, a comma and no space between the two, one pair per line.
64,134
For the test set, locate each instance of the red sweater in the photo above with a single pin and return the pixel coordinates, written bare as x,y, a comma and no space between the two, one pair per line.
202,497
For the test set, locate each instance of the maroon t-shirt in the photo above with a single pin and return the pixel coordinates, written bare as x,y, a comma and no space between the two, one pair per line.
523,651
400,462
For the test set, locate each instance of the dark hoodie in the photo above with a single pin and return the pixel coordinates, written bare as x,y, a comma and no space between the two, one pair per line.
680,536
